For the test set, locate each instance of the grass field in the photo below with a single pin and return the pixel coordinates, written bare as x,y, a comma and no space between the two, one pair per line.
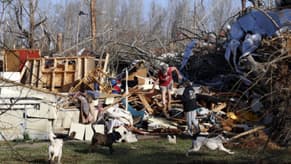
153,151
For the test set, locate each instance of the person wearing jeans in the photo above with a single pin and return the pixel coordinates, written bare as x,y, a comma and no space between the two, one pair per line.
190,108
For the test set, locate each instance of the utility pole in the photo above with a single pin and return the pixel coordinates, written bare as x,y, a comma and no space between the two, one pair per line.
78,27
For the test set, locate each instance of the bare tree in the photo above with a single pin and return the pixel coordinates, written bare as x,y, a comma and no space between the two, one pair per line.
4,5
219,13
32,6
179,16
156,19
19,15
122,19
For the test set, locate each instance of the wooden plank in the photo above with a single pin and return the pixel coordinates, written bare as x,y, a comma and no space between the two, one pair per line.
85,62
46,78
106,62
32,72
35,67
58,79
77,72
28,80
24,70
140,73
146,104
40,69
12,61
4,62
65,73
38,72
247,132
53,76
59,73
70,77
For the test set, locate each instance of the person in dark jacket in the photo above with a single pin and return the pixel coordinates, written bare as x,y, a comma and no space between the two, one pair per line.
190,108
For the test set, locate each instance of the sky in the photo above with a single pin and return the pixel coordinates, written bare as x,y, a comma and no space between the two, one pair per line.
146,3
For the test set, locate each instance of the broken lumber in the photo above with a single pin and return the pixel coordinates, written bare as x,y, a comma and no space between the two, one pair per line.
247,132
145,103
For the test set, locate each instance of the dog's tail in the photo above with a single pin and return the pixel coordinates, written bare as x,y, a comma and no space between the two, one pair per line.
92,126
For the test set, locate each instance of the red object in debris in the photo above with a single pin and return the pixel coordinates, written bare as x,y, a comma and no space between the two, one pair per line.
25,54
116,88
116,84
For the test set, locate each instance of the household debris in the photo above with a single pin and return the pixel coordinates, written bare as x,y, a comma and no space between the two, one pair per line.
241,81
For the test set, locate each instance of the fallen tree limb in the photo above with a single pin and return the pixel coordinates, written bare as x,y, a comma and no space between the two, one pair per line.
247,132
134,47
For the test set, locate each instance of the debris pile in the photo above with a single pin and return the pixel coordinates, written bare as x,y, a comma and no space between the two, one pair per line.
239,87
258,81
241,81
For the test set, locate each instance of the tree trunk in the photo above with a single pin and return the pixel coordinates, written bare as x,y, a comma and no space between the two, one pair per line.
31,24
59,42
93,23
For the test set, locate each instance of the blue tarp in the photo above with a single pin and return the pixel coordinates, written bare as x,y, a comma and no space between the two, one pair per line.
255,22
133,111
187,53
256,25
250,44
259,22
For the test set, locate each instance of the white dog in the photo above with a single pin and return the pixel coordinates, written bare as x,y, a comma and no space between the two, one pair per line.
172,139
55,148
211,143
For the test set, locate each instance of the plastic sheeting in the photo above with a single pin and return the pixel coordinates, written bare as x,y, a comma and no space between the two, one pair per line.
247,32
133,111
187,53
249,23
250,44
259,22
